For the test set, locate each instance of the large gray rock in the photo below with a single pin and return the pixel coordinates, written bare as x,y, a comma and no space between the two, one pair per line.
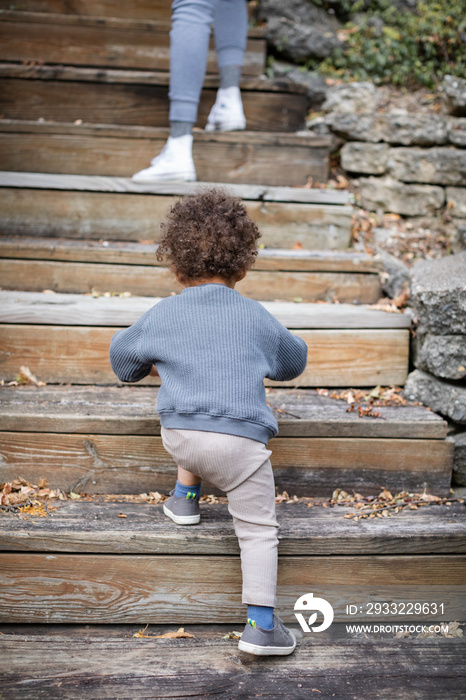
388,194
352,97
459,459
441,396
316,87
415,129
367,158
299,30
456,198
441,165
356,127
456,131
396,129
298,42
454,90
396,274
441,355
438,295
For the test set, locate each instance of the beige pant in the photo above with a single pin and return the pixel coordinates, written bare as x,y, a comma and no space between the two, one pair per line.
241,468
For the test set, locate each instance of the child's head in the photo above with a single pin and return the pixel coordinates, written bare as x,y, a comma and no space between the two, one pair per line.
209,235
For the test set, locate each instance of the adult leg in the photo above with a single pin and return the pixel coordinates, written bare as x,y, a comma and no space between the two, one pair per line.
231,31
189,43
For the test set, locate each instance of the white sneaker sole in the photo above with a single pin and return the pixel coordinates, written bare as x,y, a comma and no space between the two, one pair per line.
149,179
182,519
226,126
265,651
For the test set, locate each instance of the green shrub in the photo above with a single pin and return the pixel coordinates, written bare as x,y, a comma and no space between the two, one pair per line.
406,48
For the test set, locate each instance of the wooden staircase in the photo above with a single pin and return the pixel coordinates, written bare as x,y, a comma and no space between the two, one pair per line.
84,105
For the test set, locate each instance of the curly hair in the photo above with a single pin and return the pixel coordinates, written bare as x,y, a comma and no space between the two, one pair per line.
207,235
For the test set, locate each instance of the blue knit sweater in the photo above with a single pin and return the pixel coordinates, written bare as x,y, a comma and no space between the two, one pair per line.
212,348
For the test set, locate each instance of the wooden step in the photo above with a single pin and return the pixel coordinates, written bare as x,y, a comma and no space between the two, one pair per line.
77,206
107,439
107,665
230,157
63,265
88,565
348,345
147,10
107,42
115,96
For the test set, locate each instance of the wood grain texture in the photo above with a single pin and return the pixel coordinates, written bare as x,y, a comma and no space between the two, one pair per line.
135,253
216,160
84,183
96,527
152,10
131,411
50,309
241,137
107,667
110,43
135,217
141,280
79,355
155,588
133,103
304,466
140,77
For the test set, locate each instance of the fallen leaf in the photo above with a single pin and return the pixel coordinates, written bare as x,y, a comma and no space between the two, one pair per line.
168,635
233,635
25,376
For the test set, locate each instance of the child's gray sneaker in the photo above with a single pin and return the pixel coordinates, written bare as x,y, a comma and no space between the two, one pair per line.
279,640
183,510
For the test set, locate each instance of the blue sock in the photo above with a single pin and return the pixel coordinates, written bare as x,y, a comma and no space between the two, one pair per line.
188,491
260,615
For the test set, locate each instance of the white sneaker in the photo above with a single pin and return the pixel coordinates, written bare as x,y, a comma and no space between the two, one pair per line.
175,162
227,113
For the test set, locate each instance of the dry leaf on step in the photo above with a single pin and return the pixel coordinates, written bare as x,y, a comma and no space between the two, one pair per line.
25,376
168,635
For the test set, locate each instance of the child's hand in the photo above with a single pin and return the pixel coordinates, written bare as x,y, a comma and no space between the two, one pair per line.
154,372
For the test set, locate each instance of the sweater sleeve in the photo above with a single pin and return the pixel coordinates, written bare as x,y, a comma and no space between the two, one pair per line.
124,353
291,358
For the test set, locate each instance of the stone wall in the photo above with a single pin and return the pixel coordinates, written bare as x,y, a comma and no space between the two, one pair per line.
438,298
402,162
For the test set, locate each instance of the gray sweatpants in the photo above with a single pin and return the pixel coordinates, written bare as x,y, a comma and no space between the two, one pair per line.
241,468
189,43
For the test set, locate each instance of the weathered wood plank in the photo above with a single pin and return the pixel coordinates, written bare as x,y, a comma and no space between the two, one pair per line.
217,160
135,217
144,280
155,589
303,531
131,411
421,669
79,355
263,193
50,309
134,103
305,466
113,130
141,77
87,41
150,10
135,253
11,14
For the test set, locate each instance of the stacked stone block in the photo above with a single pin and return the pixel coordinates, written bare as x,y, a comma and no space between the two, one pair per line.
438,295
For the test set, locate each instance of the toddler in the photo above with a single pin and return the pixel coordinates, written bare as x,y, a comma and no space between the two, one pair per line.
212,349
